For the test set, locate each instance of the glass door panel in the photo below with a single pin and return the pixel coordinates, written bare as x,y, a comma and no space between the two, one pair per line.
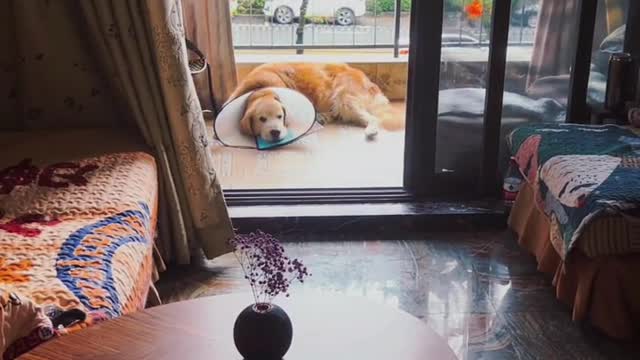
463,67
370,37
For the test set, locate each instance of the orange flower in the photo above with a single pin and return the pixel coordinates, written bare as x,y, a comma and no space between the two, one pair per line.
475,10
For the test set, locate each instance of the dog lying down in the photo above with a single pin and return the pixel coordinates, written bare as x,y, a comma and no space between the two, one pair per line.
339,93
342,94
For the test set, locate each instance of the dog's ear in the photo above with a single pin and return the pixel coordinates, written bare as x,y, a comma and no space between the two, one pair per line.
284,110
254,95
260,93
246,124
284,115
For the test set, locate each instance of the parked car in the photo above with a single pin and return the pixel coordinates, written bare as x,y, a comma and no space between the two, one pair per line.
344,12
448,38
459,39
527,17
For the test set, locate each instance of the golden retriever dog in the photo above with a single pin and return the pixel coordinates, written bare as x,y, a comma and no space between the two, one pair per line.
339,93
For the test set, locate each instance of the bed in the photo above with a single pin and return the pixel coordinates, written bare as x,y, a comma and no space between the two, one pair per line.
77,226
578,212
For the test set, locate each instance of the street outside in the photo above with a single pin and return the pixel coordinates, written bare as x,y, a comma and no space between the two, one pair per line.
379,30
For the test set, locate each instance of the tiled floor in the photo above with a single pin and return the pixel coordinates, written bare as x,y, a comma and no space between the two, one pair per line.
478,290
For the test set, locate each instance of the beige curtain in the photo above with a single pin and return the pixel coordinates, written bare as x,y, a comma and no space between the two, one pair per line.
556,34
616,13
555,39
141,43
96,63
208,25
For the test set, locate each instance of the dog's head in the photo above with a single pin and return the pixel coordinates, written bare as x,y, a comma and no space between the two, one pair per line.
265,116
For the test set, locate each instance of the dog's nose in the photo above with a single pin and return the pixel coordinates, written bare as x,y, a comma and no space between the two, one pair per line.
275,134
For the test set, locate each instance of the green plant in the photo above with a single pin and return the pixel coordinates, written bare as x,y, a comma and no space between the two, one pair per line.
249,7
379,6
449,5
316,20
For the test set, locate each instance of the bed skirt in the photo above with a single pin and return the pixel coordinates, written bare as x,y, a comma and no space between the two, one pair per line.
603,290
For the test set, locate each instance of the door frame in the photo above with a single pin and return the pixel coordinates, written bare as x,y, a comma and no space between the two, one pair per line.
425,57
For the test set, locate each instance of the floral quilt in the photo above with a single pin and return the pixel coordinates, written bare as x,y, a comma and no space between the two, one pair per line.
76,241
579,173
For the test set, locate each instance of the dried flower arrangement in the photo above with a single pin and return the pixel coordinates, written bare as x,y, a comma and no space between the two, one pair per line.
268,269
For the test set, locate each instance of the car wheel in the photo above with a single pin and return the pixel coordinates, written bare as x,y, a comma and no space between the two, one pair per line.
283,15
345,17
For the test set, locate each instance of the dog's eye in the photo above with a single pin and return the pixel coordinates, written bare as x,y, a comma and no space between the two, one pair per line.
279,116
263,119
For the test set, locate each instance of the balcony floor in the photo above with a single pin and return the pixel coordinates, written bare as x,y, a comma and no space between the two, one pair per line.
335,157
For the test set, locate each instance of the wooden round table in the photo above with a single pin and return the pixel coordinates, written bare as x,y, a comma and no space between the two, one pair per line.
324,327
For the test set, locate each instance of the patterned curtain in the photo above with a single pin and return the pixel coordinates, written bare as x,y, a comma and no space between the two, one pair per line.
96,63
142,44
556,34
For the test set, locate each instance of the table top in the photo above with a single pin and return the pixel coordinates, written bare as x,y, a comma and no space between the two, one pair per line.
324,327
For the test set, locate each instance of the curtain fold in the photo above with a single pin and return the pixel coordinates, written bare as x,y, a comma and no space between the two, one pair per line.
142,46
208,25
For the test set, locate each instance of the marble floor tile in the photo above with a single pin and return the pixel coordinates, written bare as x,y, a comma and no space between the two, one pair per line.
478,290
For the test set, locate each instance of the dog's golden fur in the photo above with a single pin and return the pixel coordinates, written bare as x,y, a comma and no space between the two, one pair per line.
339,92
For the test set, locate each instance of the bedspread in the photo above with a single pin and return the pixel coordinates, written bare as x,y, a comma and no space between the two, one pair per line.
579,173
76,231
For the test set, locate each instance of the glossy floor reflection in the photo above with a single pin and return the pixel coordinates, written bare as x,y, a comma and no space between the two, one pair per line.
478,290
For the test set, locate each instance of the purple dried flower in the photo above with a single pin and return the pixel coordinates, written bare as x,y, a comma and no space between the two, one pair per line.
269,271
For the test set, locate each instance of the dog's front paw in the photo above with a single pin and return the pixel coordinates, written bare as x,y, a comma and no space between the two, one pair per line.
370,132
322,119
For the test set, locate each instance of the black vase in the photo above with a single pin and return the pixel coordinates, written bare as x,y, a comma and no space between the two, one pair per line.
263,331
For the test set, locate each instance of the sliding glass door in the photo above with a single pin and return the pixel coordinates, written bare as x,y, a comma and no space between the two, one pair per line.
460,75
355,54
483,67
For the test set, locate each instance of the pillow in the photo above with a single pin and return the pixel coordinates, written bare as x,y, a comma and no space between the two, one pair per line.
613,43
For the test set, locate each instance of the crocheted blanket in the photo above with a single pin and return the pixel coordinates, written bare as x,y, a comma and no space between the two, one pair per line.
579,173
76,236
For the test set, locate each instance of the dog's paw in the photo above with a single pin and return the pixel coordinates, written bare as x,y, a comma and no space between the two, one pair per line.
322,119
370,132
